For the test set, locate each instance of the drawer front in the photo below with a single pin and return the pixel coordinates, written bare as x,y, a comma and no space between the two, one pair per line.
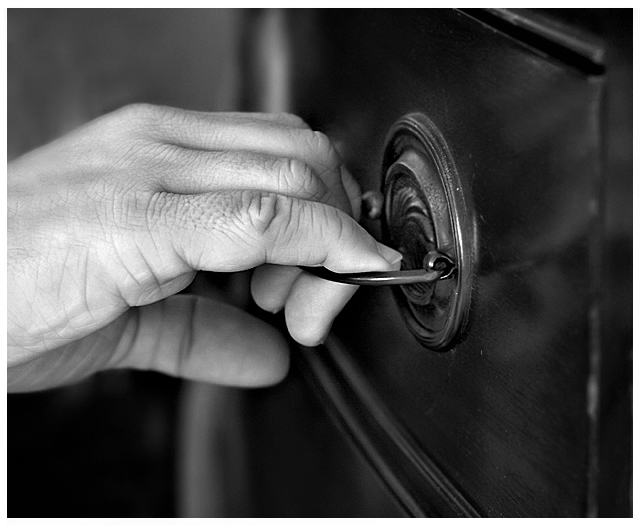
504,423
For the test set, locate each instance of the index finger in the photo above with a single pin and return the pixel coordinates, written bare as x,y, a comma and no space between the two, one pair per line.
238,230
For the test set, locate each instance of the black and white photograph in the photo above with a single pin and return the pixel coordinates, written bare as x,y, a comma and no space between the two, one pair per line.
319,262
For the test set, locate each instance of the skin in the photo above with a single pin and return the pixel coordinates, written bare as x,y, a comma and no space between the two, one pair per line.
107,224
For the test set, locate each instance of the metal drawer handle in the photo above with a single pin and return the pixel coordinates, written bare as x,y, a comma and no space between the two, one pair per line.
437,266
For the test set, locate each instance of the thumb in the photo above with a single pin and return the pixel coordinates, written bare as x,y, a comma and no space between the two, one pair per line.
205,340
186,336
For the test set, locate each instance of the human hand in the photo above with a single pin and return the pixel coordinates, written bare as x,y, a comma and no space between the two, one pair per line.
106,224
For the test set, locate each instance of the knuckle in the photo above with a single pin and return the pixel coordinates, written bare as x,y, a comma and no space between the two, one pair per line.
295,177
267,214
295,172
139,111
144,117
131,120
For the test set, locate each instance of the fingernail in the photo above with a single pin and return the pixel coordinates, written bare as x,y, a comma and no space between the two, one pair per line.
392,256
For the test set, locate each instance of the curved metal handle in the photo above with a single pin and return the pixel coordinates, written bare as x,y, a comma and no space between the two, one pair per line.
437,266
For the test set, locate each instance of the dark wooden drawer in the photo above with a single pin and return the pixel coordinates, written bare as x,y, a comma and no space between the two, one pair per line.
507,423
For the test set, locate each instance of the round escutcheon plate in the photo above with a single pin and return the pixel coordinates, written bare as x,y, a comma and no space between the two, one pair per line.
425,210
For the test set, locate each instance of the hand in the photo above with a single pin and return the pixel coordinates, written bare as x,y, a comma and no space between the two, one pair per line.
106,224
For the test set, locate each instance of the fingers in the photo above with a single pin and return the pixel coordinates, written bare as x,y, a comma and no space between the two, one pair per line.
311,304
271,285
234,135
195,171
284,119
205,340
238,131
233,231
186,336
175,116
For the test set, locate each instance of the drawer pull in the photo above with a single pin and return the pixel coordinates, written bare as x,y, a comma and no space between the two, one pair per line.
426,210
436,266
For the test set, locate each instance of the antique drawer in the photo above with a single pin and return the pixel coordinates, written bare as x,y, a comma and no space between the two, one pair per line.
506,423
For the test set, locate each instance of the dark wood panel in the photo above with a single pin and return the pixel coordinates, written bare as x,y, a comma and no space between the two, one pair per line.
507,414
